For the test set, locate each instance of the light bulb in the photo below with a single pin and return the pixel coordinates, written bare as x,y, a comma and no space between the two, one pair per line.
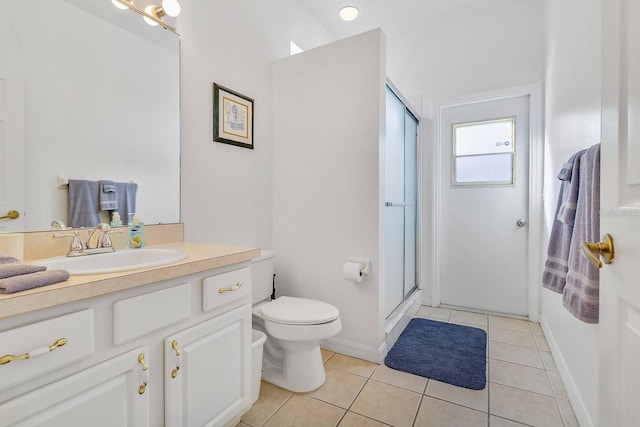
348,13
151,10
119,5
171,7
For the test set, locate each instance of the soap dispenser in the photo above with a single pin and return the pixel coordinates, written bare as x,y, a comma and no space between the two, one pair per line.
115,220
136,235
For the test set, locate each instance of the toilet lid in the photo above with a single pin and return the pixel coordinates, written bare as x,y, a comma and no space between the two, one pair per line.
299,311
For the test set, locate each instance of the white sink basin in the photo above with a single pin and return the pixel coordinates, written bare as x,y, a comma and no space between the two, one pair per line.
120,260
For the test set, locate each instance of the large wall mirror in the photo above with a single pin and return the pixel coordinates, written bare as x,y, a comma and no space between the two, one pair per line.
92,93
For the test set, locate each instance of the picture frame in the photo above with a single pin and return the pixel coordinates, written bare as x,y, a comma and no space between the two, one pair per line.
232,117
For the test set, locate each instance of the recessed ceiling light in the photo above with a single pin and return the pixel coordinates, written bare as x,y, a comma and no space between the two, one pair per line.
348,13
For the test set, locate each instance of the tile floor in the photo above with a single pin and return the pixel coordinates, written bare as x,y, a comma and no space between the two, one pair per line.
523,388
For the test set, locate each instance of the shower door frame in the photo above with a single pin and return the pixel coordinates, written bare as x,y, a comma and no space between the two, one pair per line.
408,294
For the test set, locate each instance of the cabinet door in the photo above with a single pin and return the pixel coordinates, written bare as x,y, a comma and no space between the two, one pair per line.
207,370
104,395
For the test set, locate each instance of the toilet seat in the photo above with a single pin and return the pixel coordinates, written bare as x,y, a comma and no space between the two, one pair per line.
299,311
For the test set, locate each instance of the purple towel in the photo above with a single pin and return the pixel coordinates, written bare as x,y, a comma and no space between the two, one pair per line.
17,269
33,280
6,259
556,266
581,295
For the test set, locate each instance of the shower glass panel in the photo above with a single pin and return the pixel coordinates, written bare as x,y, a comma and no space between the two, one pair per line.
394,203
400,202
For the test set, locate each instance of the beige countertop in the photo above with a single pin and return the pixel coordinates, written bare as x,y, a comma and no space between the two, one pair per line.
200,257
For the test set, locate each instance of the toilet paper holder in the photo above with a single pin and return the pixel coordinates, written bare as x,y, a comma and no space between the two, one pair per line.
365,266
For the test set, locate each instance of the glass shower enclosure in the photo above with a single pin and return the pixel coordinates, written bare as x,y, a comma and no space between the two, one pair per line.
400,216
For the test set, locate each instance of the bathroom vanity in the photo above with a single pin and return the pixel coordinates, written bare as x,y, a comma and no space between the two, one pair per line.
168,345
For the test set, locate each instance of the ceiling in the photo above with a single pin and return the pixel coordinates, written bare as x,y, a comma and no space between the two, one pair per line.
427,40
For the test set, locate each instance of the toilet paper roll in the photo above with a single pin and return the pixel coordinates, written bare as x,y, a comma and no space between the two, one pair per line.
353,271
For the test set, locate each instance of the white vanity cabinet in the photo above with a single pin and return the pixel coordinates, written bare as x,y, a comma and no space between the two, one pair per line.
112,393
207,372
176,352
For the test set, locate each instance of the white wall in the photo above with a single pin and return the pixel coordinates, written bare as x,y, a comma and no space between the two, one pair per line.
572,123
329,124
227,190
490,49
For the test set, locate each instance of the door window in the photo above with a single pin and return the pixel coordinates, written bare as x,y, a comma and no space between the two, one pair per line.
483,153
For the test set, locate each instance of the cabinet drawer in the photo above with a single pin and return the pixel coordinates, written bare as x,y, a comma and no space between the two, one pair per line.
38,340
141,315
226,288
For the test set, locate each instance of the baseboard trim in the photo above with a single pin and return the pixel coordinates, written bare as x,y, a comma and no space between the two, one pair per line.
349,348
579,408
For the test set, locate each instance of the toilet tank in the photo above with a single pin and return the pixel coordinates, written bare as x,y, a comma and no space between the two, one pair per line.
262,276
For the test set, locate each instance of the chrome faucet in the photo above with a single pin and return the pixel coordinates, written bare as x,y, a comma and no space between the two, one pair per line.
98,242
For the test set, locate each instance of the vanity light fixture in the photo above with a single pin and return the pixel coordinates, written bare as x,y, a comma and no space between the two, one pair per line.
168,8
348,13
120,5
153,14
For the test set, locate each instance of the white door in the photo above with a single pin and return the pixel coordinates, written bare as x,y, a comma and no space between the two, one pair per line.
207,369
484,203
105,395
620,215
11,153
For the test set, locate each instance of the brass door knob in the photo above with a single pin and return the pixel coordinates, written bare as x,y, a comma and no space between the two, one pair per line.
594,250
11,215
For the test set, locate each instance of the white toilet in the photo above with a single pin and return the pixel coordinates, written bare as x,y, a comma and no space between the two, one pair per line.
294,327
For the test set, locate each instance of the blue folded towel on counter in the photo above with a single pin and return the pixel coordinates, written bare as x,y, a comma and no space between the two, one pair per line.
108,196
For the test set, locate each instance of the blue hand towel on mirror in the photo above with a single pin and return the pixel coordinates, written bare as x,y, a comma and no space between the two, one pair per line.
83,203
127,193
108,196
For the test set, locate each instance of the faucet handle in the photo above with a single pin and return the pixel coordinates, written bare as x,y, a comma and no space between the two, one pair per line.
58,224
106,240
76,245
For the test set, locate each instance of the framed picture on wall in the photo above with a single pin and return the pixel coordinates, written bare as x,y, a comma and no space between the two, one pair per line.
232,117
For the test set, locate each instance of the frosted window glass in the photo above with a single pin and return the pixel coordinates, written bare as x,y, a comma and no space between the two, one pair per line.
487,169
495,136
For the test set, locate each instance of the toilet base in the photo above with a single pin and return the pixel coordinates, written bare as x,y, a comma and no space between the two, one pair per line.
302,370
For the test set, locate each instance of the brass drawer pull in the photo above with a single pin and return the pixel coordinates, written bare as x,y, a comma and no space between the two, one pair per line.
35,353
230,289
174,345
142,362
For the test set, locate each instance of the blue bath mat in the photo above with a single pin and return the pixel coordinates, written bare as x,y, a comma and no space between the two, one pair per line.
449,353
